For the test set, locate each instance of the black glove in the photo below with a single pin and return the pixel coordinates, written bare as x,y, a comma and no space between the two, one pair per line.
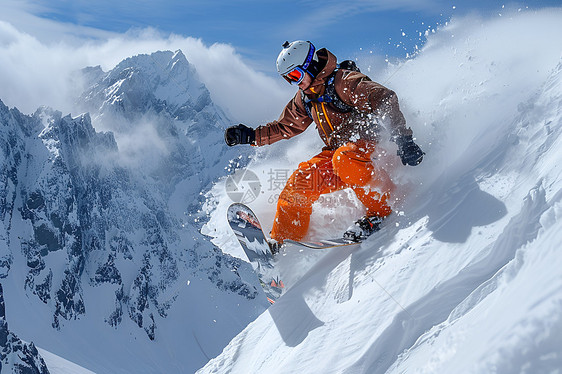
410,153
239,134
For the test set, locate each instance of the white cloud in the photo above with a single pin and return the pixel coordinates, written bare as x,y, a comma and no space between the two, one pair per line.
36,71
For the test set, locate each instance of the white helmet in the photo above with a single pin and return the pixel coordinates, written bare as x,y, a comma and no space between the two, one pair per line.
296,54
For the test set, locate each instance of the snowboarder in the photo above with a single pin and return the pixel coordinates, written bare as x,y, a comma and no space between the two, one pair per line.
343,103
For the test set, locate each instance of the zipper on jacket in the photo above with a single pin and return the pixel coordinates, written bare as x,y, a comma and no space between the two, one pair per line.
326,116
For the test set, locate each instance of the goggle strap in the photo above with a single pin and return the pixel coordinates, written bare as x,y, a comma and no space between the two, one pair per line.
309,57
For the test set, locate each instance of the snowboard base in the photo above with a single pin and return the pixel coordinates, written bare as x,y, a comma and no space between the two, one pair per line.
249,233
322,244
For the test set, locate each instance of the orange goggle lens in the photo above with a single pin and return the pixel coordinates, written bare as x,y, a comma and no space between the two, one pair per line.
294,76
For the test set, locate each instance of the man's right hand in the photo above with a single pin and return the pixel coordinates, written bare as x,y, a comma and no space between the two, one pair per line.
239,134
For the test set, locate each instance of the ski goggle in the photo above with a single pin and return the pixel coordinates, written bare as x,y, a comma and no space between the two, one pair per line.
295,76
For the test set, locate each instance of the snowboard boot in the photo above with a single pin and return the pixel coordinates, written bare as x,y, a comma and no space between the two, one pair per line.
362,228
274,246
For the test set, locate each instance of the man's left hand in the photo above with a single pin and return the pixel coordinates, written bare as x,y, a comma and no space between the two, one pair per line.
410,153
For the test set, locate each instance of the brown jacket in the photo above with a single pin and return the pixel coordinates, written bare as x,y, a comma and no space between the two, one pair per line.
337,128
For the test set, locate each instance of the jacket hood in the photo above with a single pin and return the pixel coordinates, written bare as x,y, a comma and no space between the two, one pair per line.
330,62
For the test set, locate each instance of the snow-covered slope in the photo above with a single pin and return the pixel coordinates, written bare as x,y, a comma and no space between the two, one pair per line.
17,356
59,365
466,277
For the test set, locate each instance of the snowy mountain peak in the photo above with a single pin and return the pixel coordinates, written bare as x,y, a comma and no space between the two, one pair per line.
163,81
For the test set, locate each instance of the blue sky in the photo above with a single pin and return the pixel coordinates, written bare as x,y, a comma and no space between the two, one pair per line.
256,29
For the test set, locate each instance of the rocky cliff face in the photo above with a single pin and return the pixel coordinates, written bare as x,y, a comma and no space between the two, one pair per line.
114,213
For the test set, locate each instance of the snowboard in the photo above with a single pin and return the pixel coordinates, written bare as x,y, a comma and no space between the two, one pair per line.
249,233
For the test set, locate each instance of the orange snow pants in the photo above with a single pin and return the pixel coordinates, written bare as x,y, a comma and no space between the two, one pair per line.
349,166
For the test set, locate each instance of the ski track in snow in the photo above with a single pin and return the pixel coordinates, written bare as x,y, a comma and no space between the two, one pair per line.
467,280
